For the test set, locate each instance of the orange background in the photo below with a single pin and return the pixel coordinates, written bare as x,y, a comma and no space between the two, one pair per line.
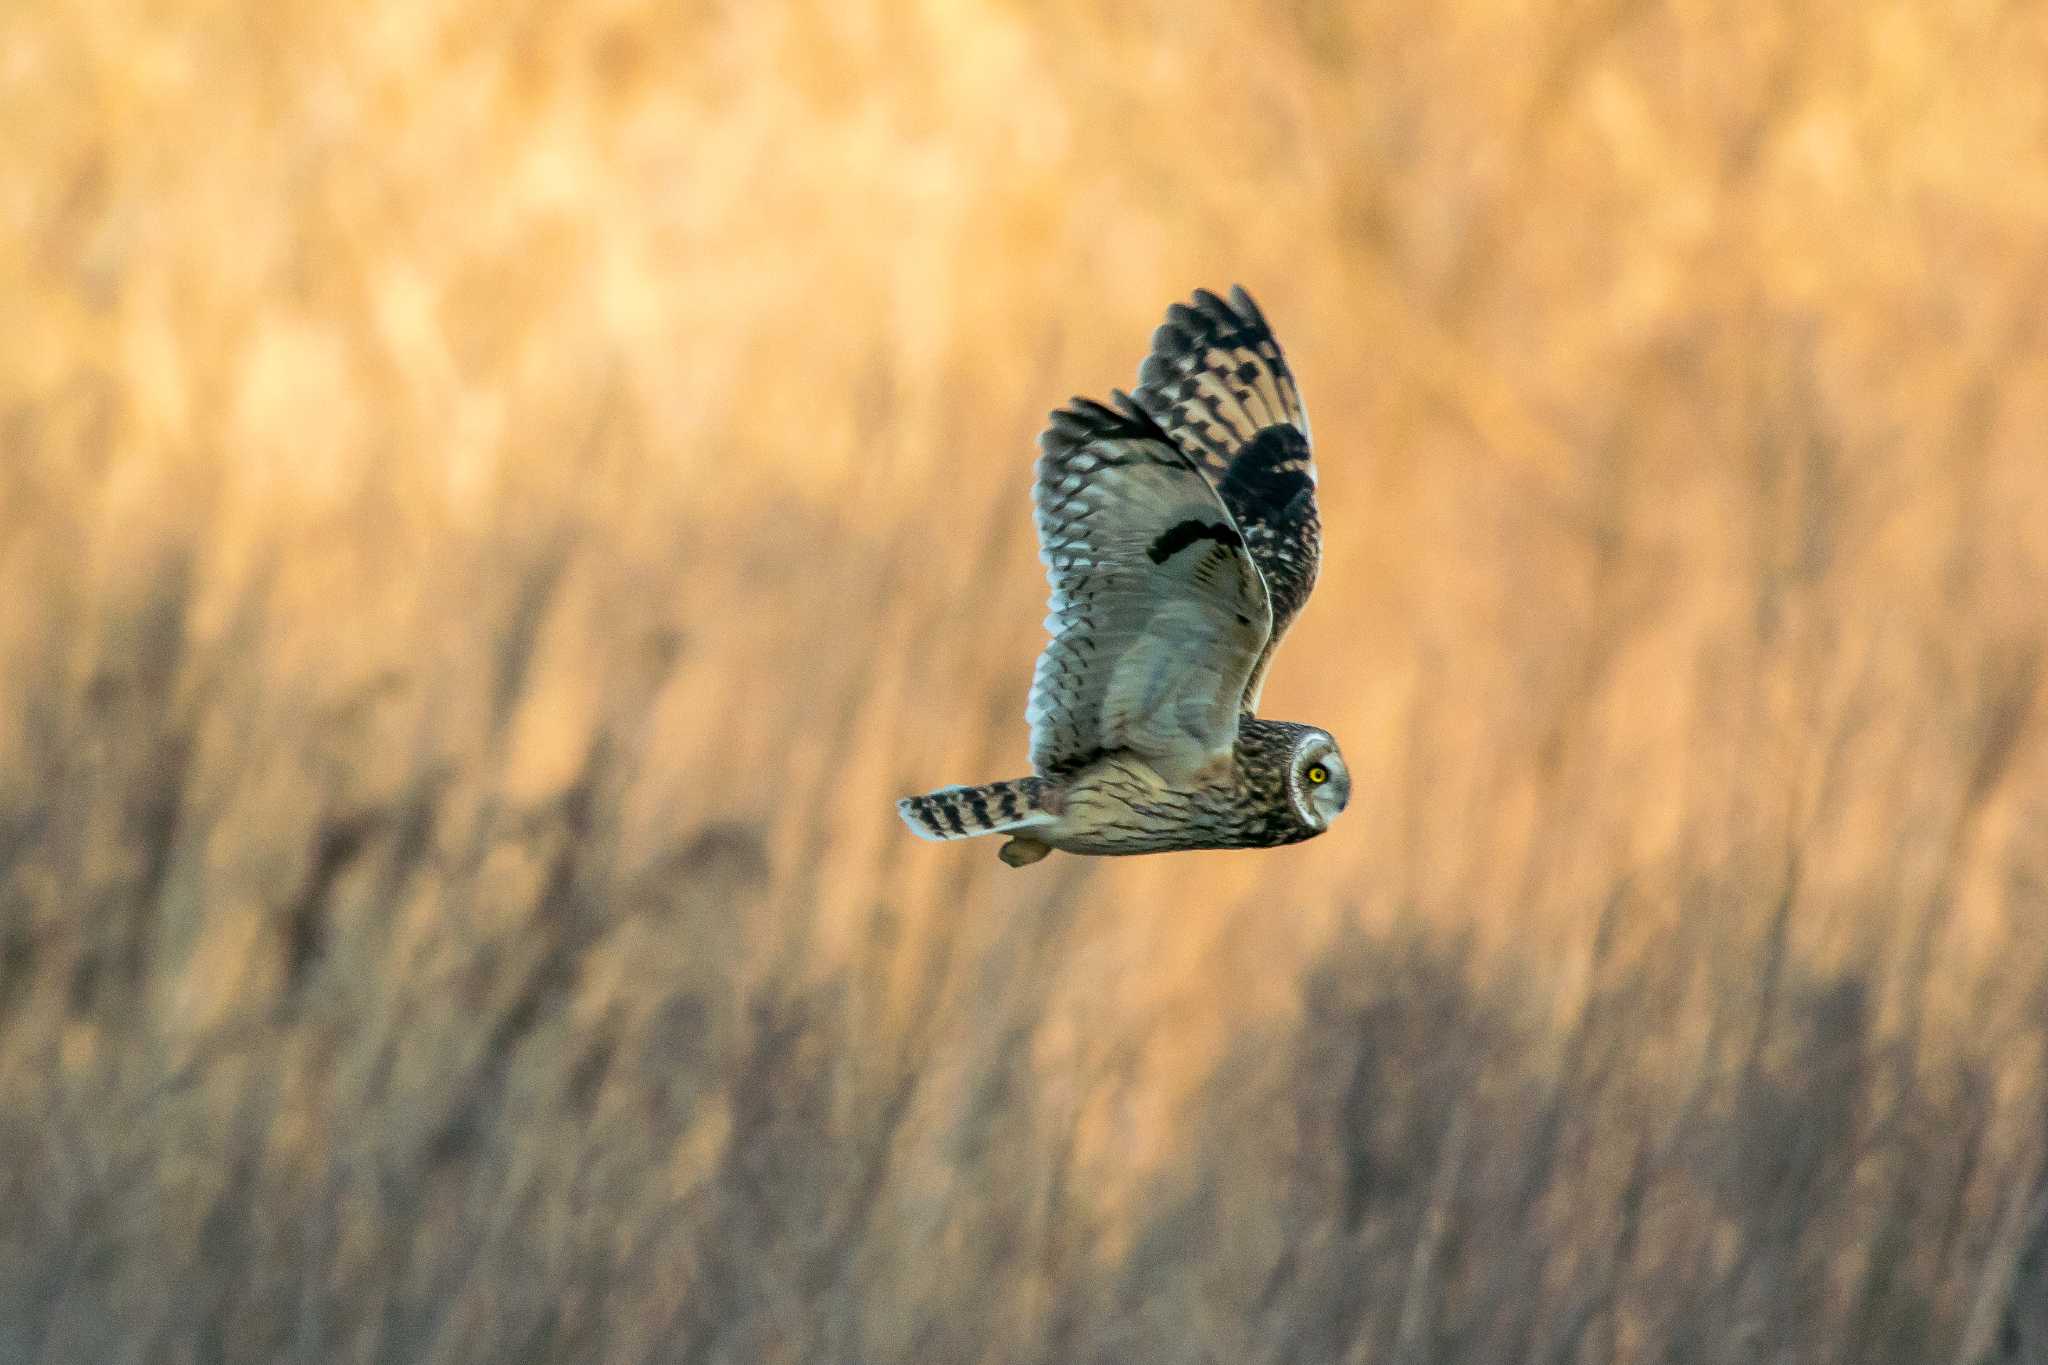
497,501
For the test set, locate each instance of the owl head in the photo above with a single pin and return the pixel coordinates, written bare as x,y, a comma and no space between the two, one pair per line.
1317,780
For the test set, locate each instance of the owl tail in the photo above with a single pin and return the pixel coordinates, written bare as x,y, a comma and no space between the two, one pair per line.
963,812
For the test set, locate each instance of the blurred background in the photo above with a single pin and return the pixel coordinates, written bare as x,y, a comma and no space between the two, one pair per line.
497,500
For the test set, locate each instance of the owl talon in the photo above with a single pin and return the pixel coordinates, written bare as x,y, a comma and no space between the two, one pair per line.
1021,852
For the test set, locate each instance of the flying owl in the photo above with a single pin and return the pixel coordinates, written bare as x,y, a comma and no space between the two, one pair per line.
1179,532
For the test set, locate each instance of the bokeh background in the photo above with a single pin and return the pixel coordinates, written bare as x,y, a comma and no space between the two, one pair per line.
497,499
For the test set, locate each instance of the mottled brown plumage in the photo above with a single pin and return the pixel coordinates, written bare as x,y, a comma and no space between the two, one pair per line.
1180,536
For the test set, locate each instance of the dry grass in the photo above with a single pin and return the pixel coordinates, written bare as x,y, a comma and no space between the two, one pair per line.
494,501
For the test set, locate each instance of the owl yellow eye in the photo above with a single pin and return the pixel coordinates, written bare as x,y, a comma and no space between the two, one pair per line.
1319,774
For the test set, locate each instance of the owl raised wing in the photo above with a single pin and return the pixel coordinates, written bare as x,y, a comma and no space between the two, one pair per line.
1217,383
1159,616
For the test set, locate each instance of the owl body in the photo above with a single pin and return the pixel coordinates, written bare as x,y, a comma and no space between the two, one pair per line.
1180,535
1122,804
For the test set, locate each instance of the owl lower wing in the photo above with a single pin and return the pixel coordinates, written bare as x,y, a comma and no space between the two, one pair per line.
1217,383
1158,615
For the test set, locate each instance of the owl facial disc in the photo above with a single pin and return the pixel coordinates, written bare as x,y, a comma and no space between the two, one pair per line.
1318,781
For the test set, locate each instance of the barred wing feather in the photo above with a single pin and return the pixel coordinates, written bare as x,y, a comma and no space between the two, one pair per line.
1158,614
1217,383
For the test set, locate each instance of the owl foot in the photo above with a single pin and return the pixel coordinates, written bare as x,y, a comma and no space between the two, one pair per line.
1020,852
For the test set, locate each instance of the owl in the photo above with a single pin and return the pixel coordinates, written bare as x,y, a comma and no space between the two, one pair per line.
1179,532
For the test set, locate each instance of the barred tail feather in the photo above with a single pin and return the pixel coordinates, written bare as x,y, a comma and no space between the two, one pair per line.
964,812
